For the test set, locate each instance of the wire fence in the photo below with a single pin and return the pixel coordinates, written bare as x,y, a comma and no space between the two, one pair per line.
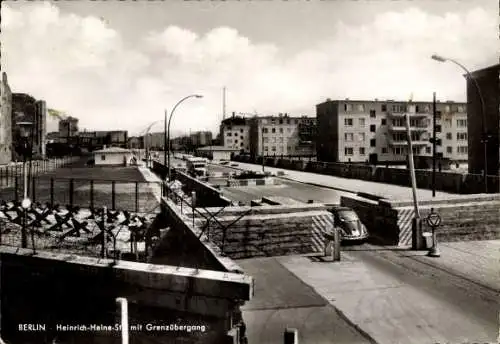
86,193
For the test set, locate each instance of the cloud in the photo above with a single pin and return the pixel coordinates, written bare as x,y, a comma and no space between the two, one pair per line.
89,69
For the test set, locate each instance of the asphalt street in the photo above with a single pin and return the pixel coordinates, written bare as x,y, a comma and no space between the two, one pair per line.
298,191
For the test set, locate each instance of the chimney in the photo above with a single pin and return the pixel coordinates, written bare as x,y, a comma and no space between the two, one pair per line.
233,114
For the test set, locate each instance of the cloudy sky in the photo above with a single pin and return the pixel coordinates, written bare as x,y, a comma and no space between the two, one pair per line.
118,65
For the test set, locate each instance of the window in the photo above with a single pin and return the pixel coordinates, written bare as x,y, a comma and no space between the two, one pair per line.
384,121
449,150
462,136
241,137
348,151
273,148
449,136
241,144
461,123
288,121
347,107
348,136
384,107
438,115
427,108
273,130
266,140
362,136
361,122
361,150
241,130
235,141
266,148
460,108
281,130
280,139
288,130
462,149
447,122
361,108
265,130
373,143
438,128
373,128
229,134
289,148
439,142
103,157
428,150
384,150
228,141
348,122
281,121
373,113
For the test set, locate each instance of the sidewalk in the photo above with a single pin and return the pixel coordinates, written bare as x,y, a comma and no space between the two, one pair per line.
154,182
398,296
389,191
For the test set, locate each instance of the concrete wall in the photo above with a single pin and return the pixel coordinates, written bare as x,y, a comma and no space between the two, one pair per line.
268,230
206,195
55,289
475,217
445,181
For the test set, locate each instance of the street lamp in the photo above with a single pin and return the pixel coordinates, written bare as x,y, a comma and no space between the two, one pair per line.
167,131
484,140
25,149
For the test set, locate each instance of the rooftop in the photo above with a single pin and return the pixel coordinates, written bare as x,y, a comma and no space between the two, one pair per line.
218,149
113,150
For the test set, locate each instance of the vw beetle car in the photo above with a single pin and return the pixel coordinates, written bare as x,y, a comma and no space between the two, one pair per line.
351,227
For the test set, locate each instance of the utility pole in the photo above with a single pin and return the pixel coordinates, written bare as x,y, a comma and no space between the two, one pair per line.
416,223
434,143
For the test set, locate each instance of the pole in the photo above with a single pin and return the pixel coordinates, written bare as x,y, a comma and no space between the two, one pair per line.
416,223
434,120
263,164
24,236
124,318
165,138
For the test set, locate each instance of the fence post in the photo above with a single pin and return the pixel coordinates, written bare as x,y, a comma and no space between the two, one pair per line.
16,188
7,176
91,193
33,193
136,197
71,189
113,195
103,248
51,192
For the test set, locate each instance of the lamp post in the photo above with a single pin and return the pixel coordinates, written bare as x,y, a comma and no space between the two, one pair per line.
168,127
484,140
263,161
26,151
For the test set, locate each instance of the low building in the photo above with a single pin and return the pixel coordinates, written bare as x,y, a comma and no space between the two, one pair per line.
217,152
114,156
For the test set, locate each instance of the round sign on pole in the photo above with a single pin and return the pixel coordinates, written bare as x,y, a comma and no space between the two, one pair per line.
433,220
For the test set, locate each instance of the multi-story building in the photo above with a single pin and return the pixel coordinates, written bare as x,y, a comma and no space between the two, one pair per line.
375,131
235,133
98,139
68,128
155,140
201,138
282,135
488,81
26,109
5,121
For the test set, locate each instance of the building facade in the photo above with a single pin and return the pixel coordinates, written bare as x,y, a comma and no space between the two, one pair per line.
235,133
98,139
282,135
5,121
201,138
375,131
488,81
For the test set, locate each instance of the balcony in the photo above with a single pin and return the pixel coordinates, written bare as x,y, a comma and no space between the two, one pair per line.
397,127
404,143
411,114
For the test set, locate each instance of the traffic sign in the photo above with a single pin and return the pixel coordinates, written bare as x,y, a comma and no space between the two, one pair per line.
433,220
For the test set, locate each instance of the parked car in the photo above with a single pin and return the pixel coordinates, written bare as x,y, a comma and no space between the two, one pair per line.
234,164
351,227
224,162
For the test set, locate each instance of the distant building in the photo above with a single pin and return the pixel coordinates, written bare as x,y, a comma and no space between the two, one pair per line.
113,156
68,129
375,131
216,153
155,140
136,142
98,139
5,121
201,138
235,133
26,109
488,81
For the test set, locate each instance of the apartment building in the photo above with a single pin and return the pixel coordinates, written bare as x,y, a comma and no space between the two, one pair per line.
488,81
5,121
235,132
375,131
201,138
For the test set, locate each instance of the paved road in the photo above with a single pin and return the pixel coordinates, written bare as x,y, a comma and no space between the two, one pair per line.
298,191
389,191
399,296
282,300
